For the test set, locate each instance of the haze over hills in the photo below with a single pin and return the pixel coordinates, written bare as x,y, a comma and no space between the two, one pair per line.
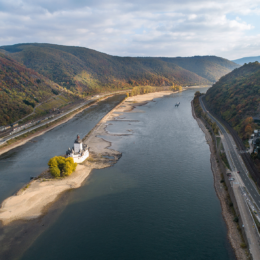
211,68
244,60
88,71
236,97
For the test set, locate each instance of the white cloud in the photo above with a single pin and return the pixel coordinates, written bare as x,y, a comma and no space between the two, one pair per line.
136,28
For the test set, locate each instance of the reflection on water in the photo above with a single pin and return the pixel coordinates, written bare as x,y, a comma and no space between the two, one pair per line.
157,202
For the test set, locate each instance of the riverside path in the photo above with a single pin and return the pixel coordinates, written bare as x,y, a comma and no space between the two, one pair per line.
7,138
242,179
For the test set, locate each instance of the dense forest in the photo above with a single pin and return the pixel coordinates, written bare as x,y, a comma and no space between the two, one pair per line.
236,97
87,71
21,89
32,73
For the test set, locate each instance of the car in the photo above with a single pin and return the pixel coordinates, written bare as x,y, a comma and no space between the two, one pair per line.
238,171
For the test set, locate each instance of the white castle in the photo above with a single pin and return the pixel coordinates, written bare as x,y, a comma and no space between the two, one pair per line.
79,153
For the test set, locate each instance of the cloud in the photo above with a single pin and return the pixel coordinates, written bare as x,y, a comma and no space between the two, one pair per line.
136,28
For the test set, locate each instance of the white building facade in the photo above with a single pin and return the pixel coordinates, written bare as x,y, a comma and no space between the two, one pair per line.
78,153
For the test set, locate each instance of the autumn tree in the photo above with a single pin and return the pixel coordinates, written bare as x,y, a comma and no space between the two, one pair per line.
60,166
176,88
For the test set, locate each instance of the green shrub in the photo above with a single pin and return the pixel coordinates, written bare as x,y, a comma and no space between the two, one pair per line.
53,162
243,245
55,171
54,91
235,219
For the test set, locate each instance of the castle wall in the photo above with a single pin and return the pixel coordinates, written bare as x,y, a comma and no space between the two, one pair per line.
77,147
80,159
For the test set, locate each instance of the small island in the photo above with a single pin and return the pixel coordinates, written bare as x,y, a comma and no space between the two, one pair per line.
34,198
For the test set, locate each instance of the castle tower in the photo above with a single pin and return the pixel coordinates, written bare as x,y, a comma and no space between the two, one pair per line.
78,145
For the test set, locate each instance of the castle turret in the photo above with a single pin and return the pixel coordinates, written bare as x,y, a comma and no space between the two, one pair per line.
78,145
79,154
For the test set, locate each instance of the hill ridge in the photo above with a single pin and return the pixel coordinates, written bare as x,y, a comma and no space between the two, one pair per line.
244,60
236,97
83,70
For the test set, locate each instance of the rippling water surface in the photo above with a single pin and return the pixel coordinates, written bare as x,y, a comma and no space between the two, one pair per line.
157,202
30,159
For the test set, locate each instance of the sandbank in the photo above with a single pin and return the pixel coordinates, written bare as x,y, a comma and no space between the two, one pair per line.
30,201
24,140
202,86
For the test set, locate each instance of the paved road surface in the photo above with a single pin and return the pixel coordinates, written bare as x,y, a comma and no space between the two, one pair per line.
7,138
241,179
238,164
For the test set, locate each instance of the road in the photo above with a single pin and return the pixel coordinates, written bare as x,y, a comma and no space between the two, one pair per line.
7,138
241,179
36,107
237,164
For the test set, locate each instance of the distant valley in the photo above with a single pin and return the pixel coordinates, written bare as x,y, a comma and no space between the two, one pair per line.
244,60
31,73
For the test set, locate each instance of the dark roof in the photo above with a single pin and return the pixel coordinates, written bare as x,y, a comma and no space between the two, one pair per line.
78,140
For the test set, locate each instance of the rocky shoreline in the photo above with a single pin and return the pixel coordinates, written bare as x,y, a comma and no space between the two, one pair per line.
233,234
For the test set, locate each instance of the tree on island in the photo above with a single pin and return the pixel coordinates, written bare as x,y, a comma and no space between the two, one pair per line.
176,88
140,90
60,166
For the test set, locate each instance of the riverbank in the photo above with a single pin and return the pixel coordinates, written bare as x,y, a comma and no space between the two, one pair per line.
233,234
204,86
24,140
31,200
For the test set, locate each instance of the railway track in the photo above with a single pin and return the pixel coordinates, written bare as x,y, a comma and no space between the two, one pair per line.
250,165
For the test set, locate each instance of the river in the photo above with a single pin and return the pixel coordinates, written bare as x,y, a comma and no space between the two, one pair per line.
157,202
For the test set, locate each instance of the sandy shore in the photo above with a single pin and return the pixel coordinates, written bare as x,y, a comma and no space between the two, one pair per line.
31,200
203,86
233,233
23,141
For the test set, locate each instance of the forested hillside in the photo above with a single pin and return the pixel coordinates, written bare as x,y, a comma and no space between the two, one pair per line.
20,90
87,71
236,97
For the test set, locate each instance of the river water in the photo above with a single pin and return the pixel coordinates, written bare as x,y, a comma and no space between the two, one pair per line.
157,202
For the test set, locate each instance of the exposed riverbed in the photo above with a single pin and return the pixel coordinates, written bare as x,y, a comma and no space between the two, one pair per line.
157,202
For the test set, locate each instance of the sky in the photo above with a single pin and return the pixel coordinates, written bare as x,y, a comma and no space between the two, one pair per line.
165,28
